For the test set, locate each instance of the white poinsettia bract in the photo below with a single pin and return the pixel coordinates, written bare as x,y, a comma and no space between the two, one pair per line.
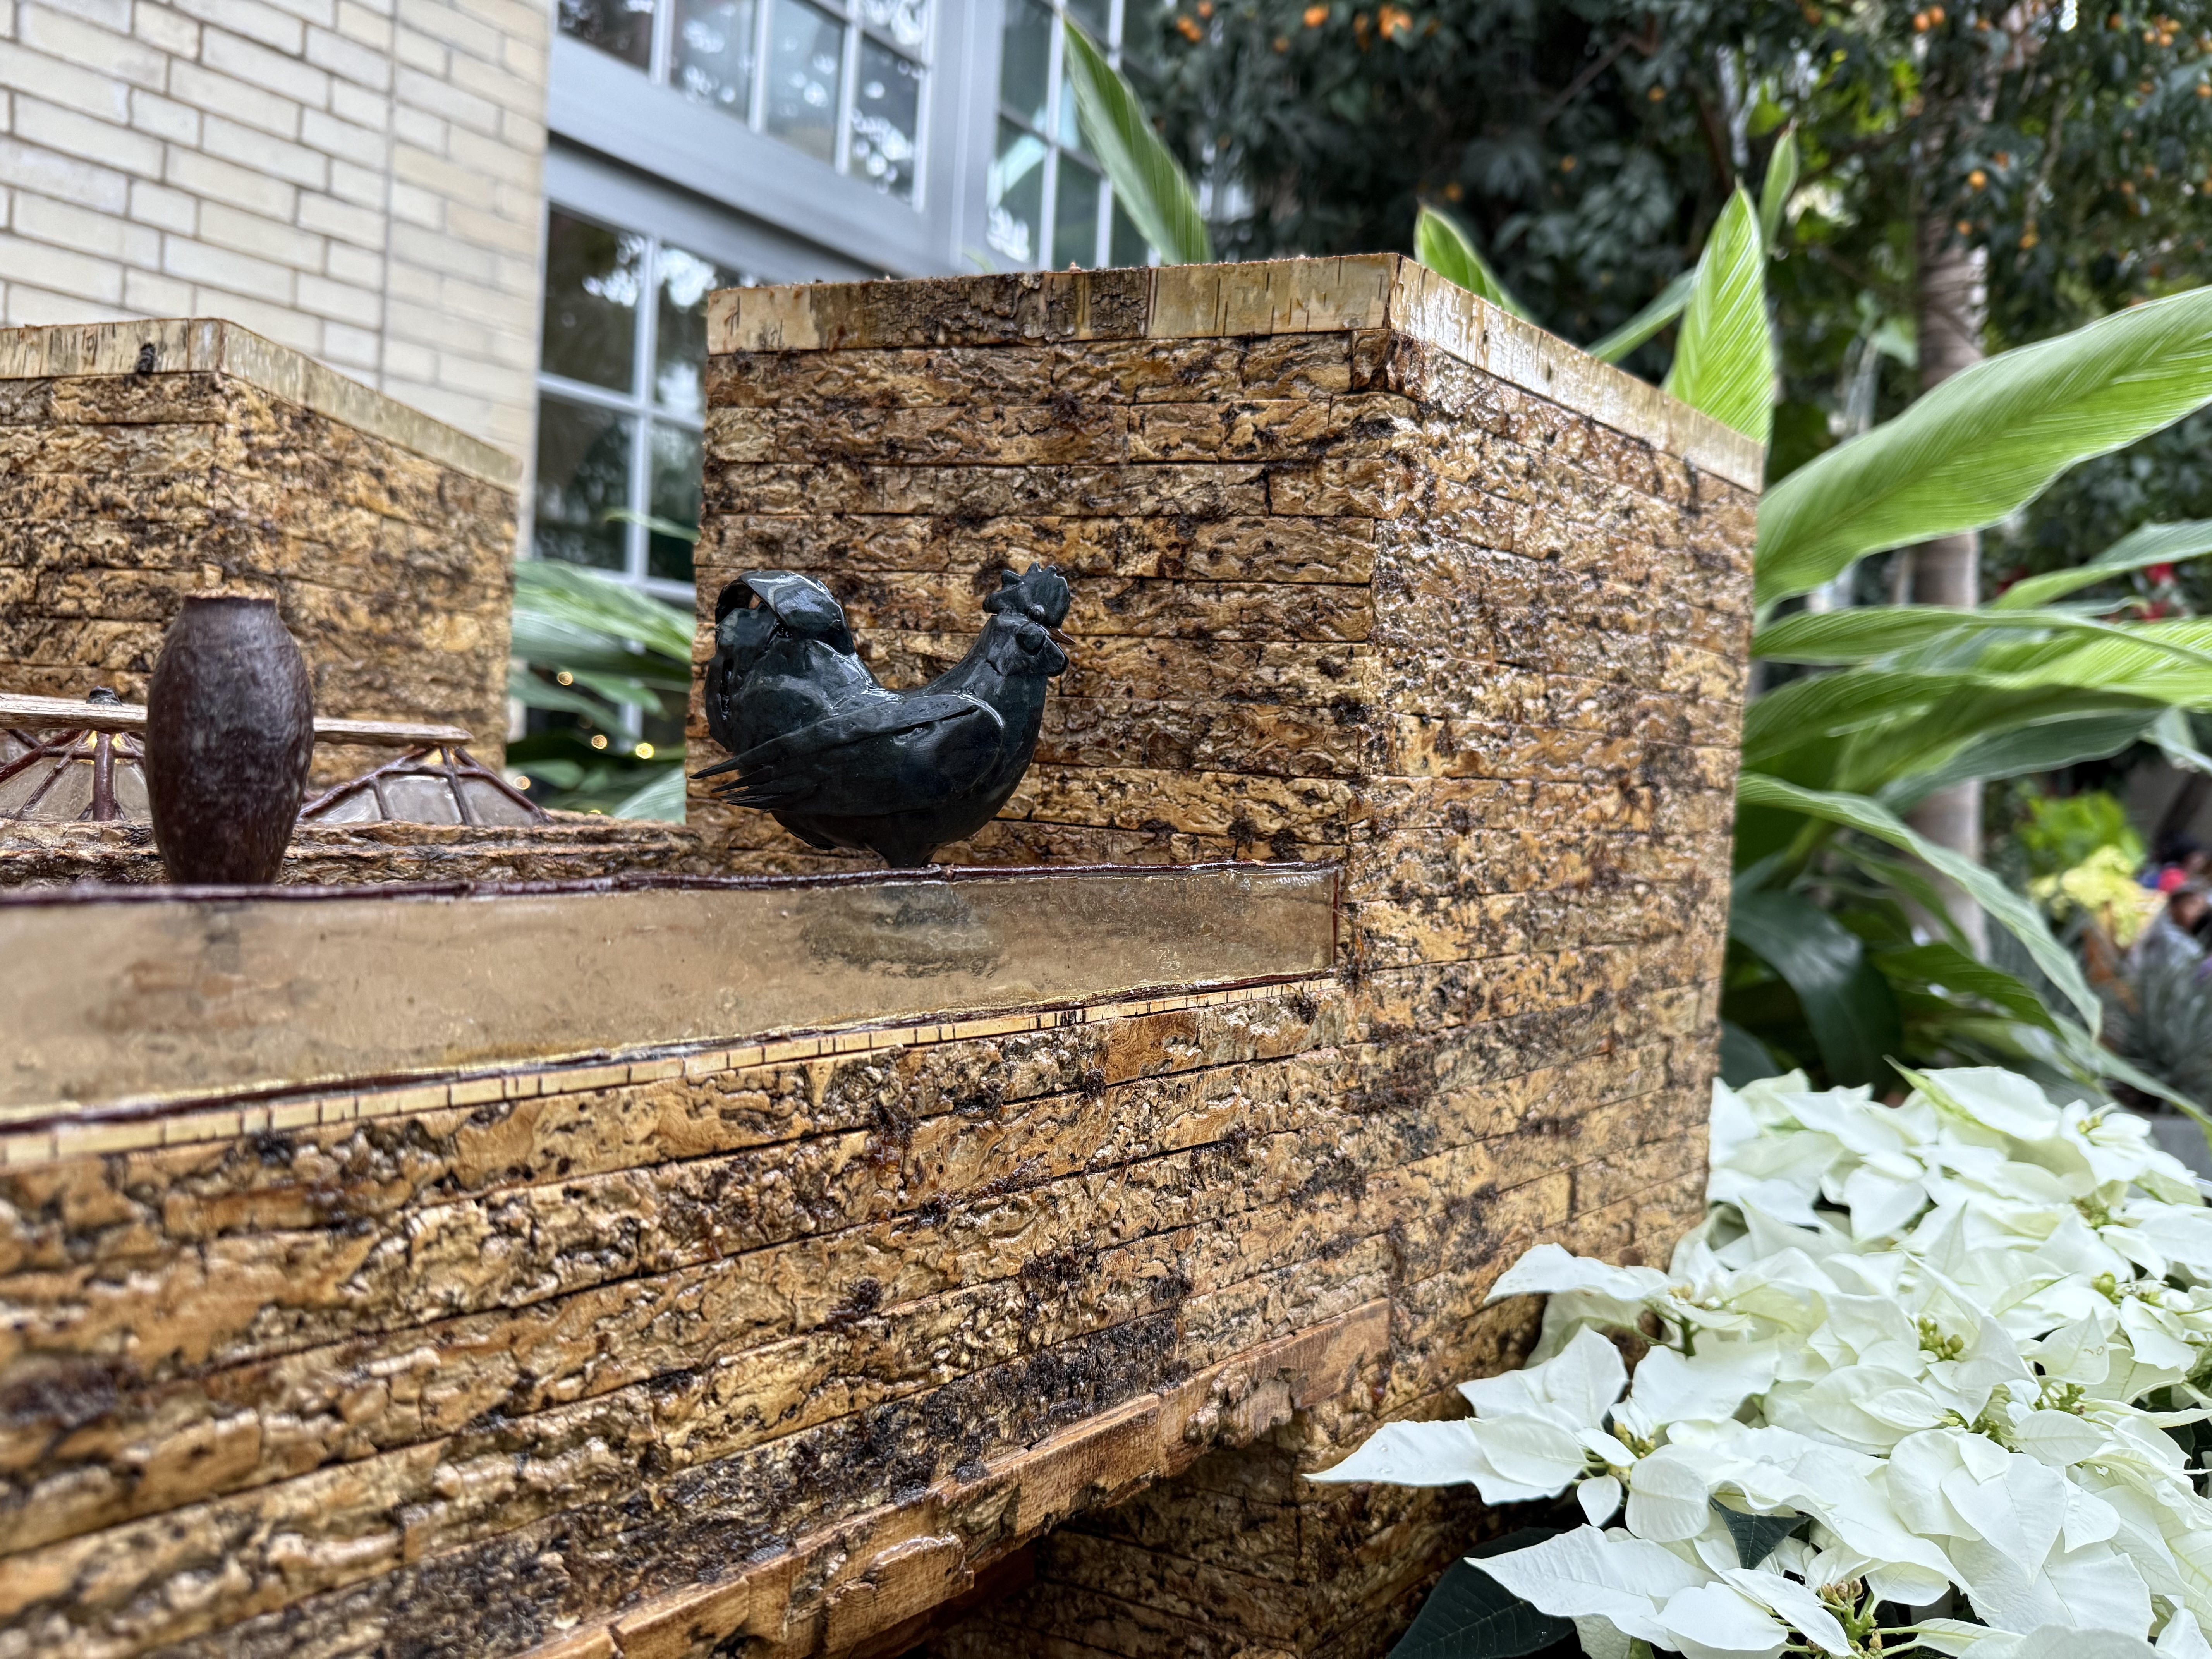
1924,1382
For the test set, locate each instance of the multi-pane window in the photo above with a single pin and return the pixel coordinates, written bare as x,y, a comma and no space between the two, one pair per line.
840,80
1050,205
621,399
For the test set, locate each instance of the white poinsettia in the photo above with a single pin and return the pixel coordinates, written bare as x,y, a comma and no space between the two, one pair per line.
1937,1350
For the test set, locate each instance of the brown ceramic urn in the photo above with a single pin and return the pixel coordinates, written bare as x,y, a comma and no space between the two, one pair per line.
230,728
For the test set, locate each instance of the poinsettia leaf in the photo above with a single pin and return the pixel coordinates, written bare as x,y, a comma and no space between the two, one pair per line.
1756,1535
1470,1615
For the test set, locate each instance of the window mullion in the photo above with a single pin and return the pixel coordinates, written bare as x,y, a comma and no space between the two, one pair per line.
1050,205
661,60
848,89
756,109
640,462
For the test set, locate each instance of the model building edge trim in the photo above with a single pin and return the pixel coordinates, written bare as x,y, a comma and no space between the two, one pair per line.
211,345
1264,297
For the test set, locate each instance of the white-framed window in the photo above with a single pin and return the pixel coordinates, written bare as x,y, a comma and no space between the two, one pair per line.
621,400
1050,205
845,82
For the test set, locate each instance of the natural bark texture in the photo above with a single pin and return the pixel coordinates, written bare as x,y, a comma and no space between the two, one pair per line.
386,540
1339,591
1954,303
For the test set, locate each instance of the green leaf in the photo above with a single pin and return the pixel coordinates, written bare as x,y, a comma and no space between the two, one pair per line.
2045,745
1988,440
1756,1535
532,692
550,595
661,799
1940,964
1149,183
1866,632
1647,322
1724,360
2148,544
670,527
2171,733
1848,1004
1774,194
1470,1615
1744,1058
2004,906
1442,244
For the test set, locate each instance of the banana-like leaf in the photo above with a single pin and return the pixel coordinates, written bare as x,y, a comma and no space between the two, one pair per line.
1149,183
1940,965
1744,1058
2171,733
2046,745
662,799
550,594
1442,243
1846,1002
2004,906
1987,440
1647,322
532,692
1774,194
1826,705
1724,358
1877,756
625,688
1832,638
2147,545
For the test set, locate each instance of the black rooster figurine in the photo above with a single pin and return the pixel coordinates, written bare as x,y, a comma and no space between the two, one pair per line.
840,761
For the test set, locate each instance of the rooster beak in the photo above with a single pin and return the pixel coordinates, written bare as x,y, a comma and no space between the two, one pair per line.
1061,640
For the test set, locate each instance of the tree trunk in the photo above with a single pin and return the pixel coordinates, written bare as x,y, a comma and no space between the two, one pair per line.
1953,301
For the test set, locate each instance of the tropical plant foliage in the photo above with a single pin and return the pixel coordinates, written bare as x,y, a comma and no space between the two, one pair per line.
1957,1346
1843,953
1913,699
587,644
1150,184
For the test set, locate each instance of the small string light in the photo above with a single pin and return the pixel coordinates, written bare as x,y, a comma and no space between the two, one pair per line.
644,752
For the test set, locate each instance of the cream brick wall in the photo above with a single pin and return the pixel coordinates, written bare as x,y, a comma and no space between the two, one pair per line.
359,179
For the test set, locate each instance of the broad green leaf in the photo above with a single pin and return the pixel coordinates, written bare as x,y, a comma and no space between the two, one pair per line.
1470,1615
2044,745
1940,963
661,799
1149,183
1823,705
2006,908
1744,1058
532,692
625,688
2149,545
658,527
550,593
1879,755
1987,440
1911,881
1647,322
1774,194
1756,1535
1724,359
1846,1002
1866,632
2171,733
1442,244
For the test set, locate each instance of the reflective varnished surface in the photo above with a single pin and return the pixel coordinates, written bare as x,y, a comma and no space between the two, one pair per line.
128,996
